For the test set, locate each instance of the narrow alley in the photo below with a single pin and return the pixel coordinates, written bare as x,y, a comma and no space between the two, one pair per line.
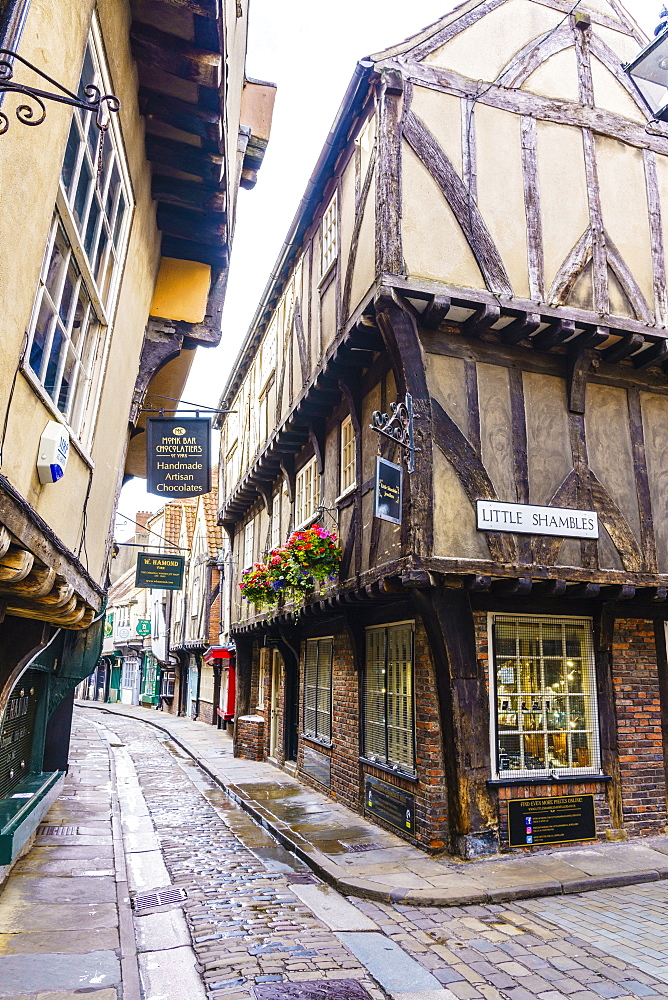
136,890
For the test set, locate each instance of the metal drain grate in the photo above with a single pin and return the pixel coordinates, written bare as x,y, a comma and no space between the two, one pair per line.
302,878
359,848
330,989
158,898
56,830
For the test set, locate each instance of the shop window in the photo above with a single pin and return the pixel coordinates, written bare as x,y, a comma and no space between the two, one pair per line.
329,237
307,489
544,686
389,706
82,264
347,455
318,689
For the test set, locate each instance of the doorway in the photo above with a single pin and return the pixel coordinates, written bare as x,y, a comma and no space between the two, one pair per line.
291,710
276,667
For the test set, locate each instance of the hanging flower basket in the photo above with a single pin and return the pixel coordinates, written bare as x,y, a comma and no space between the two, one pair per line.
256,587
292,570
316,551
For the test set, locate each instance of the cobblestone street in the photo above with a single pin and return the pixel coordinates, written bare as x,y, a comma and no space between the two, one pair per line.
253,916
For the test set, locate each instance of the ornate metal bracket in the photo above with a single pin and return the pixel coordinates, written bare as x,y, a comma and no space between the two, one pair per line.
102,105
398,426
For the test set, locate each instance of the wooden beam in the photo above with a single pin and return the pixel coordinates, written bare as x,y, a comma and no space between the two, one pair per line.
178,155
520,329
161,50
187,117
193,226
37,583
188,195
435,312
203,8
182,249
481,320
15,564
580,364
627,345
555,334
652,355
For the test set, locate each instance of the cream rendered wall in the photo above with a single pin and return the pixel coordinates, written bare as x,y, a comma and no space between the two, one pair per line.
30,162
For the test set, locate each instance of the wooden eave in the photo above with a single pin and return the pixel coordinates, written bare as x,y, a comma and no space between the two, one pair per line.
39,577
179,49
353,108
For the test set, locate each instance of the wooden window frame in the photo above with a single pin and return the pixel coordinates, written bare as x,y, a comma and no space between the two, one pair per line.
307,511
329,237
311,709
589,694
384,758
347,462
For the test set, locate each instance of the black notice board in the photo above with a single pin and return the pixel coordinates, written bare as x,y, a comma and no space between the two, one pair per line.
558,819
178,459
318,765
160,572
387,497
390,803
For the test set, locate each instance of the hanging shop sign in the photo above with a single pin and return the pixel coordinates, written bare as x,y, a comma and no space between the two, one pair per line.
178,462
524,518
558,819
390,803
143,627
159,572
387,497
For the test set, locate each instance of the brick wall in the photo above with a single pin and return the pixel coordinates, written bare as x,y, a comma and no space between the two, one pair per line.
206,712
347,776
249,737
636,682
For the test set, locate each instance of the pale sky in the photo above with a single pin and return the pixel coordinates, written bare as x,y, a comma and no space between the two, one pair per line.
309,49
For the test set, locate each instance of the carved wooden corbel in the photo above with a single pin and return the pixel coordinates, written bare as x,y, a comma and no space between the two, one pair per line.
580,365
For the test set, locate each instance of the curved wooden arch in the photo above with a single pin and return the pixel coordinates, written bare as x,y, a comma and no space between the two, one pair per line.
571,269
546,549
533,55
472,474
471,222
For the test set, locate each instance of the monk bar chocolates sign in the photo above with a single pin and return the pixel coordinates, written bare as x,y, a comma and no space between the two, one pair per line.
159,572
526,519
178,457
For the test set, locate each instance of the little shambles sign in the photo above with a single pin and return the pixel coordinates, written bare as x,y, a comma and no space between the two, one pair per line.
527,519
178,456
159,572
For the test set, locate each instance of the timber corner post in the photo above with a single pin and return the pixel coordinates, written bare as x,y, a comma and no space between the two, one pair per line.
464,709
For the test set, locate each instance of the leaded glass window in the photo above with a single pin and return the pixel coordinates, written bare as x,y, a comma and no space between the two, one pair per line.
318,689
389,710
545,693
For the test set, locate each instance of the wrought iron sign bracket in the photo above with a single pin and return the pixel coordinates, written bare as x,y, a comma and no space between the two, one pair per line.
398,426
102,105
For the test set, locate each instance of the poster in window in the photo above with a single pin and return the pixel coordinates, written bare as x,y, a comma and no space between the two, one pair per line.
178,462
387,497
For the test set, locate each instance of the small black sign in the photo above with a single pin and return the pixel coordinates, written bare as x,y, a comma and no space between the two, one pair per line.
318,765
178,462
390,803
159,571
558,819
387,501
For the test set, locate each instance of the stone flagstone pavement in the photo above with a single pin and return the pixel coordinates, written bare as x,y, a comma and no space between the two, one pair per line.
320,832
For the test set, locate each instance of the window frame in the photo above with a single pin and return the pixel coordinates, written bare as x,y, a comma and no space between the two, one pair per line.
329,237
89,358
275,530
314,733
395,766
589,685
249,533
344,487
303,517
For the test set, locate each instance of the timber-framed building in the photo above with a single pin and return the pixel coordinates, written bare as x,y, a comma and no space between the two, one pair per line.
485,230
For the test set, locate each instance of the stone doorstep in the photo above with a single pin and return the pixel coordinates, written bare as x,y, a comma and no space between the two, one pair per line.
353,885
